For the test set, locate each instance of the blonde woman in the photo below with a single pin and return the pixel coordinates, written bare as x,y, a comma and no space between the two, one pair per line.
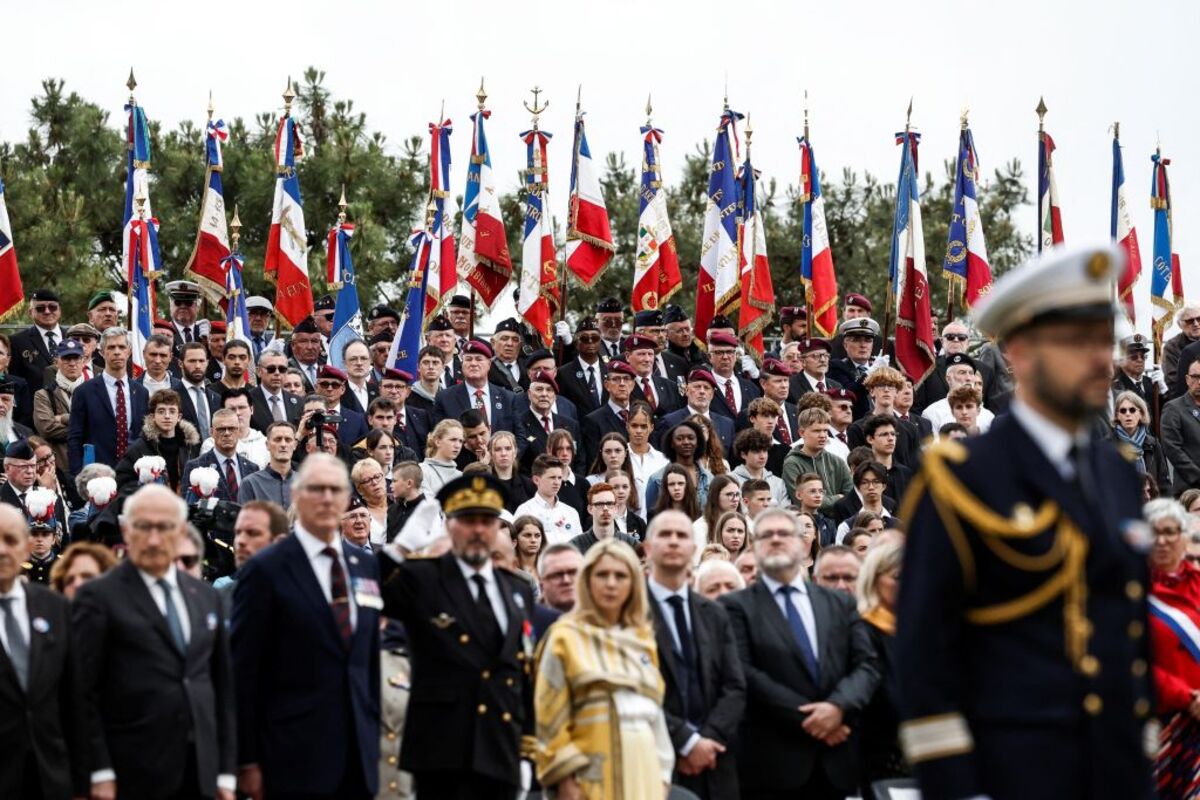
441,448
598,698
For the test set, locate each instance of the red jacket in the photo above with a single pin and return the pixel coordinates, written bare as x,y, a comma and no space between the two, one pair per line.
1176,672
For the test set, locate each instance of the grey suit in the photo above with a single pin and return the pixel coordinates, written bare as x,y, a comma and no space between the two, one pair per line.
1181,441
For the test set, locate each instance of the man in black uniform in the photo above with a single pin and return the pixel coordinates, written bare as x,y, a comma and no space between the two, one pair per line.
185,303
469,633
1133,376
681,337
1021,650
33,349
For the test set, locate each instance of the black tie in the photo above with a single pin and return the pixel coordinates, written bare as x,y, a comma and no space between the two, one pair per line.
487,616
50,343
591,379
692,694
187,334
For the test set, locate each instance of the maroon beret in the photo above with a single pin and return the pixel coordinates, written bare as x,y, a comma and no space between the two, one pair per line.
814,344
704,375
397,375
859,301
546,377
618,367
841,394
789,314
723,339
773,366
329,371
478,347
639,341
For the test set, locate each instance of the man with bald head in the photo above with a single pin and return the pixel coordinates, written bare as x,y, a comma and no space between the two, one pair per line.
705,688
41,724
956,339
154,657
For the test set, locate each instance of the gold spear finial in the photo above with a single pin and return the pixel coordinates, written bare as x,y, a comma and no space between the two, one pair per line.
131,83
430,213
235,228
210,105
1041,112
342,204
139,199
1117,130
535,109
289,94
749,131
962,117
481,95
908,116
649,111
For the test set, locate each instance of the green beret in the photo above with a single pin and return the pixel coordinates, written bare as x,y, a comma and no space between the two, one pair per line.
100,297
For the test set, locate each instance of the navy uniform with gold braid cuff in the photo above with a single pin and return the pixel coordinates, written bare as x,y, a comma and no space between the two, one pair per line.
1022,656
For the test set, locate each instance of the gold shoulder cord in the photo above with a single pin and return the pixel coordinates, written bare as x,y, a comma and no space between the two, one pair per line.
1067,555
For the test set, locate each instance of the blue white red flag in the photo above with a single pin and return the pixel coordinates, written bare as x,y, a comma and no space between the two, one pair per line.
589,234
443,276
407,342
139,239
966,265
237,320
538,299
1050,227
12,296
212,238
483,258
914,323
347,313
757,292
1166,273
286,259
656,268
719,291
816,255
1124,234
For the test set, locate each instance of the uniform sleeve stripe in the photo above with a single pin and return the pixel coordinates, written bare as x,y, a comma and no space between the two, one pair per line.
930,738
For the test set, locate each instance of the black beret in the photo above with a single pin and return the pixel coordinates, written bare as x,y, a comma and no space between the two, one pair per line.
306,325
650,318
439,323
326,303
538,355
955,359
510,325
383,312
47,295
19,449
609,305
460,301
673,313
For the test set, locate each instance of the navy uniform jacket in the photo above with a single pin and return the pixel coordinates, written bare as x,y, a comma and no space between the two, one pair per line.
666,394
468,708
750,391
306,703
722,424
572,385
1008,570
844,372
502,416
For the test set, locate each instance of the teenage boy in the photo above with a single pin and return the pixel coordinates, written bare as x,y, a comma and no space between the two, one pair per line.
559,520
753,448
810,455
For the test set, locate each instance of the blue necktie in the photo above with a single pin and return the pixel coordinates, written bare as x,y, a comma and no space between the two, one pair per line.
799,632
173,623
18,648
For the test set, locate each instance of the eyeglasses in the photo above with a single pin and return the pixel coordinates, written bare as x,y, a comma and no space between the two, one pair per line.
871,483
145,526
1192,377
561,575
1127,411
604,504
44,460
786,533
226,429
1171,534
821,356
955,337
731,495
187,562
274,368
1138,356
1191,321
328,384
589,339
376,478
45,308
20,465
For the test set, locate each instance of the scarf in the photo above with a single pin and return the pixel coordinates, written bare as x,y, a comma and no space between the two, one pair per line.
883,619
66,384
1136,440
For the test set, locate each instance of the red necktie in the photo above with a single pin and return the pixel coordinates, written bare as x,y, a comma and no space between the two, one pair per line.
122,423
729,396
782,430
624,415
821,386
546,423
231,479
842,437
341,601
400,422
649,392
479,404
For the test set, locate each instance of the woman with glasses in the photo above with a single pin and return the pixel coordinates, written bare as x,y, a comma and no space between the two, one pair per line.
627,516
724,495
1174,643
371,484
1131,433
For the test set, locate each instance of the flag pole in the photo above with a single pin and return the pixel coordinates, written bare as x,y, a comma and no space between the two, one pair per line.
1041,113
804,198
481,98
889,313
572,204
132,84
952,284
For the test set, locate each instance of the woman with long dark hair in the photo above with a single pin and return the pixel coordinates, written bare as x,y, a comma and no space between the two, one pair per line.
678,493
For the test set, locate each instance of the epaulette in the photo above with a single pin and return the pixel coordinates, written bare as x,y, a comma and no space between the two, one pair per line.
1128,452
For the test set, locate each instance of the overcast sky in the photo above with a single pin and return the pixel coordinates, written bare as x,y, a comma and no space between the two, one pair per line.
1095,62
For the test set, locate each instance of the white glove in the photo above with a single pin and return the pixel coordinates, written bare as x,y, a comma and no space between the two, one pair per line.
1154,373
878,362
422,527
562,332
749,368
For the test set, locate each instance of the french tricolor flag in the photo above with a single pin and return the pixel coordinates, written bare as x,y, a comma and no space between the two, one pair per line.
719,289
757,292
212,239
816,255
139,238
589,235
966,262
443,276
11,293
1049,210
286,260
1124,234
483,257
914,323
538,298
656,267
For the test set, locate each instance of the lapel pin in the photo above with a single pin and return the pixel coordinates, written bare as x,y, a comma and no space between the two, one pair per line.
442,621
40,624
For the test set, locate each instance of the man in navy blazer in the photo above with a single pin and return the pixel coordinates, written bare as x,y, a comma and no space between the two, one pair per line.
223,455
701,385
310,599
331,385
499,403
94,404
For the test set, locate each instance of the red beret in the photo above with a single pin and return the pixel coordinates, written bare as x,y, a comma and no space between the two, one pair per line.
859,301
841,394
639,341
814,344
773,366
723,339
217,325
546,377
704,375
329,371
478,347
397,375
789,314
618,367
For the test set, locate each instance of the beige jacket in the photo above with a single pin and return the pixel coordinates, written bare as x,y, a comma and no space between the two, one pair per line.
51,418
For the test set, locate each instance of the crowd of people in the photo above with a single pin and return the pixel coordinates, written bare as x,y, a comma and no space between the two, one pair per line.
632,565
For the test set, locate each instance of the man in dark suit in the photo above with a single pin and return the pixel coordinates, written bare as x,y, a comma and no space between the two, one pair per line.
412,424
506,369
231,467
956,338
775,381
610,417
20,472
33,349
698,392
1133,376
476,392
466,622
198,400
313,599
814,355
1181,432
904,411
698,657
360,390
95,404
733,393
331,386
610,316
859,336
659,393
540,420
42,732
810,669
667,365
269,401
154,658
185,304
581,380
305,345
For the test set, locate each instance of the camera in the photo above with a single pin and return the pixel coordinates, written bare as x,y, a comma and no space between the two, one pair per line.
215,519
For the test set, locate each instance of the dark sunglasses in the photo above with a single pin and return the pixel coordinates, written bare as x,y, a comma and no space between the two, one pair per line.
187,562
955,337
184,301
274,368
589,339
46,308
329,384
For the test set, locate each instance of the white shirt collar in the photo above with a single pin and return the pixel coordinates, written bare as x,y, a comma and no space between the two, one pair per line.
797,582
468,571
662,593
1054,441
313,546
171,577
17,591
111,382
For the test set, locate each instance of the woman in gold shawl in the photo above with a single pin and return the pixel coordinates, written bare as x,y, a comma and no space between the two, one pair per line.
601,734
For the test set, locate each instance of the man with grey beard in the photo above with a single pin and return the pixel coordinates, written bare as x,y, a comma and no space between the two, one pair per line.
810,669
10,429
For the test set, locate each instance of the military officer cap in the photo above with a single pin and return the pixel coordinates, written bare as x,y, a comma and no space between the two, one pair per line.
544,376
476,494
721,321
812,345
859,325
955,359
70,348
393,374
330,372
773,366
701,376
325,303
618,367
478,347
650,318
460,301
587,324
20,449
439,323
841,394
610,305
382,311
722,340
1137,343
1061,284
259,302
306,325
383,337
100,297
183,290
510,325
83,331
45,295
789,314
859,301
673,313
639,341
